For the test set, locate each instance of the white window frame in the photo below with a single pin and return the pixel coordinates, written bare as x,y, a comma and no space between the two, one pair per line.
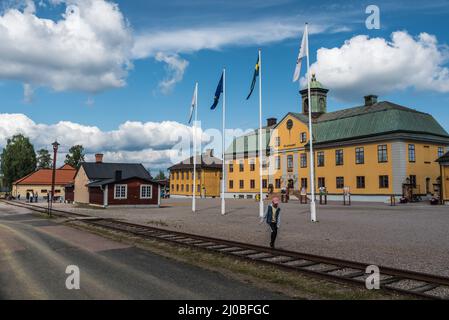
142,186
120,197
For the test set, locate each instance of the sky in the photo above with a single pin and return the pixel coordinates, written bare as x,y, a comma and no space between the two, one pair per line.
118,76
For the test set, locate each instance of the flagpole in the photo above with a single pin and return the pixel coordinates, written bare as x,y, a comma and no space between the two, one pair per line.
260,137
194,150
312,157
223,179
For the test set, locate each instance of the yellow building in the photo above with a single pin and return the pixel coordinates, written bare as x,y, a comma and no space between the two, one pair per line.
376,150
444,169
208,177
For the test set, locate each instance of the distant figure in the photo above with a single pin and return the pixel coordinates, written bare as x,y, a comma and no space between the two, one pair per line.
36,196
18,197
273,219
28,197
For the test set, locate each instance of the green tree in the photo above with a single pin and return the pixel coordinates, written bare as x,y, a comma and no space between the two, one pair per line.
44,159
18,159
160,175
75,156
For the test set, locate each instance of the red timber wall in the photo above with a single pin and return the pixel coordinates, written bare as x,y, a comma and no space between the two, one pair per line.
96,196
133,194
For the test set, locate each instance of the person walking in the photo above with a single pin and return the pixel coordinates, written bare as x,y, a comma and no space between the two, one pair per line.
273,218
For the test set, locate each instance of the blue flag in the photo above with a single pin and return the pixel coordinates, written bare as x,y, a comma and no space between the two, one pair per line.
253,83
218,93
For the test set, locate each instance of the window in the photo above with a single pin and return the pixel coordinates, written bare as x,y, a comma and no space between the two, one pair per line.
278,163
303,160
231,184
177,175
241,167
339,157
173,176
172,187
182,188
182,175
290,163
177,187
360,182
359,155
411,153
187,188
241,184
383,182
304,183
321,182
320,159
277,183
278,141
187,175
264,183
120,191
382,153
198,188
231,167
146,191
340,182
252,166
252,184
440,152
303,137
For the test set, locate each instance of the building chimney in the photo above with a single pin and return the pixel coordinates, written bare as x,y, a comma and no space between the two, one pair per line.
99,158
118,175
370,100
271,122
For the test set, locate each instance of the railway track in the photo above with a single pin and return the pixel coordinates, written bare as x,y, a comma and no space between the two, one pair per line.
417,284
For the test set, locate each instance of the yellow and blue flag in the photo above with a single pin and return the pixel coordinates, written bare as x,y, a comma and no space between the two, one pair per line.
218,93
256,74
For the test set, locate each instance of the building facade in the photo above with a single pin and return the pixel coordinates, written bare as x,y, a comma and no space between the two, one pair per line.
115,184
373,151
444,169
208,177
39,183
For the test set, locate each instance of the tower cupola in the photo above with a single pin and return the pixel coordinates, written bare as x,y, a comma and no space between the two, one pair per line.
318,96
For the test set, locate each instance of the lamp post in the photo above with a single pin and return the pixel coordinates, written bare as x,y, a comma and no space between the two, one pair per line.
53,178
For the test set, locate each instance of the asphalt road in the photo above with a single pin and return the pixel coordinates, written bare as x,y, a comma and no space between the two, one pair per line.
35,252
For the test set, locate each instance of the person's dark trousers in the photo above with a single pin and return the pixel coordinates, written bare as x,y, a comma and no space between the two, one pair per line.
274,233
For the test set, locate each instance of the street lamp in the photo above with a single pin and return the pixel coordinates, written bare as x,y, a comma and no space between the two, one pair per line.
53,177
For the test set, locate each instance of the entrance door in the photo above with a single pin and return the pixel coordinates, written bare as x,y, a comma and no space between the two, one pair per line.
291,184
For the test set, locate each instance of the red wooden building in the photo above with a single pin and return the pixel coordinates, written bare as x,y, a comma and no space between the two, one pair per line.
115,184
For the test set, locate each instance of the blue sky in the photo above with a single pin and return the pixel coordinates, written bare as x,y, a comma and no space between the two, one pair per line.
226,34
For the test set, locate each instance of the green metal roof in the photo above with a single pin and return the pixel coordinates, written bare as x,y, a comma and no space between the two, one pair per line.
250,142
380,118
365,121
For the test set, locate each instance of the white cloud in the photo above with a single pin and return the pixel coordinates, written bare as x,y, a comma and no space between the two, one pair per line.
214,38
176,67
155,144
365,65
88,49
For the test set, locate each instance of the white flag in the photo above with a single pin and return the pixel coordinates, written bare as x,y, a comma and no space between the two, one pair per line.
302,54
194,102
